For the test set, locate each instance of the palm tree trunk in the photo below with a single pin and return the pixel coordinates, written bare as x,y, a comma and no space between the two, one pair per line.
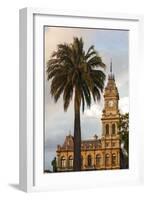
77,134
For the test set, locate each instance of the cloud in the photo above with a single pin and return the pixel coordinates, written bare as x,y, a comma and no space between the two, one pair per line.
124,105
94,111
56,35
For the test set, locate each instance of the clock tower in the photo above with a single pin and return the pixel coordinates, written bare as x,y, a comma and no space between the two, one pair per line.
110,116
110,119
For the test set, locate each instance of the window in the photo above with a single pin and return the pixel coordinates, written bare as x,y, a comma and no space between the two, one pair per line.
107,129
70,161
107,161
81,161
113,129
107,144
113,144
98,160
89,159
63,162
113,159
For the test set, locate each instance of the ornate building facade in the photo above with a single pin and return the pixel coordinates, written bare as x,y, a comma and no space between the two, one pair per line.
97,153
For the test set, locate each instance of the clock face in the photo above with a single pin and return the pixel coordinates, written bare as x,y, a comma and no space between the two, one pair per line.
110,103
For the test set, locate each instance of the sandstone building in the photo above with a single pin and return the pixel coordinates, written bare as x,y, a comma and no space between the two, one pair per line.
97,153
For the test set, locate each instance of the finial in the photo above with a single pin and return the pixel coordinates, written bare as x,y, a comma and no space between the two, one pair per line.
111,75
95,137
111,66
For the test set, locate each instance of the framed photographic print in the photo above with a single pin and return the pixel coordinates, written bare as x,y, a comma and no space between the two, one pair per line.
80,122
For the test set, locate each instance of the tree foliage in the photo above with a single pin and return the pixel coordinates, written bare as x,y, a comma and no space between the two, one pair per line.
124,136
72,69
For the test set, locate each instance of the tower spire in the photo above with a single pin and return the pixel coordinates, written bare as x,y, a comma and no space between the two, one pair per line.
111,75
111,66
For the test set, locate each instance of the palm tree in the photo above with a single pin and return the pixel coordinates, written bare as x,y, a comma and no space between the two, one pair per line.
76,75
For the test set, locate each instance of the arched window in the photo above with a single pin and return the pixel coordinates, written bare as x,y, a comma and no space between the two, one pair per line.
70,161
107,129
113,129
107,159
63,162
113,159
98,159
89,160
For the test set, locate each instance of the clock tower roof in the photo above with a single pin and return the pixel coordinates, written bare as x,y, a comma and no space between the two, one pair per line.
111,88
111,75
111,99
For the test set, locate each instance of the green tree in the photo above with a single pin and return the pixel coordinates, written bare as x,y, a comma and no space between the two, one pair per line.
124,134
54,164
76,75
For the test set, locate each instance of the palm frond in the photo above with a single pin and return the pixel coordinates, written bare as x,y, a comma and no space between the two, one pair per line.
67,95
96,61
89,50
70,67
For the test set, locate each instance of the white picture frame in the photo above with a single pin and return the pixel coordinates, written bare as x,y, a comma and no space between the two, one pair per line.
31,95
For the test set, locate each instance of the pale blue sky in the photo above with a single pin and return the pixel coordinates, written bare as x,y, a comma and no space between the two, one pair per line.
110,44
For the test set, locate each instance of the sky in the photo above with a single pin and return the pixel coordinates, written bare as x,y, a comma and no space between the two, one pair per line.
110,44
